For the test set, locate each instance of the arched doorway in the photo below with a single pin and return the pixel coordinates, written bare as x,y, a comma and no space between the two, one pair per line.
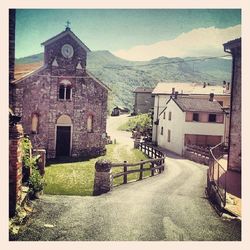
64,130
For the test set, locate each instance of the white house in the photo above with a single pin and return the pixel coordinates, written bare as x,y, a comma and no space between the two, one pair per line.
163,91
190,120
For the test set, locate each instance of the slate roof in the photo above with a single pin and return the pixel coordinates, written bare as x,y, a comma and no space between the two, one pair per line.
143,90
188,88
66,32
197,105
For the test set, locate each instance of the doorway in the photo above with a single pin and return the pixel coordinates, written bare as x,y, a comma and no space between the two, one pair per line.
63,134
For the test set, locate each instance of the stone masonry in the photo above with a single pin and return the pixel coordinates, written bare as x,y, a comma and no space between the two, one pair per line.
15,167
234,161
38,93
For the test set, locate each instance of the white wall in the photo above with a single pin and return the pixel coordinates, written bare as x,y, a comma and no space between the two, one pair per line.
175,125
179,128
159,104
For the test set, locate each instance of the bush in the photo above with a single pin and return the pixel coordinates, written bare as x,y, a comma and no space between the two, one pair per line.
36,181
140,122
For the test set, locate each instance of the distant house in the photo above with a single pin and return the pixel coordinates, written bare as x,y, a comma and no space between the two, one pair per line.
190,120
163,91
118,111
144,101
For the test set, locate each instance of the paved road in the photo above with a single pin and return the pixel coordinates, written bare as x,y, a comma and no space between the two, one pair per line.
170,206
122,137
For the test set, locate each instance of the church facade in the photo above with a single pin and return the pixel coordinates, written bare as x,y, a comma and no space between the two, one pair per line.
63,106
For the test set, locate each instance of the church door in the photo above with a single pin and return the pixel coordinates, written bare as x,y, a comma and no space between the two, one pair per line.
63,141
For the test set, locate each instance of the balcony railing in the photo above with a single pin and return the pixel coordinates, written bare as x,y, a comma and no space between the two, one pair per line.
216,172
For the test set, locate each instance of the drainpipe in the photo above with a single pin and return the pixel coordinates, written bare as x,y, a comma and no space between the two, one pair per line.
157,116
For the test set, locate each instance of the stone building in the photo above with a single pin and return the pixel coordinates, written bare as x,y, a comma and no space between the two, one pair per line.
144,101
234,157
63,106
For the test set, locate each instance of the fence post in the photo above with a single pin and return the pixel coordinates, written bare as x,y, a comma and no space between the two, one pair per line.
125,168
160,169
103,182
152,170
141,172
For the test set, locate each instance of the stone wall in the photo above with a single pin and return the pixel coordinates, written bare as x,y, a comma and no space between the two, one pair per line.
196,157
234,161
88,97
143,103
15,167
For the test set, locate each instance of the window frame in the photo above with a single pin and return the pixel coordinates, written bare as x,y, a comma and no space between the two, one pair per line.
65,90
162,130
169,115
212,120
90,130
198,117
33,116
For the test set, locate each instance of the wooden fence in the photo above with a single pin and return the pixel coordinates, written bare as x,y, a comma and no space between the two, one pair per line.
157,164
150,151
156,167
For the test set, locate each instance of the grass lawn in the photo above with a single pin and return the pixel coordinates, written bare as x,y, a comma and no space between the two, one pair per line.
77,178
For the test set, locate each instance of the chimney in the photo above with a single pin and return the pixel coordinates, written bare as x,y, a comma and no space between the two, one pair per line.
173,90
211,97
175,94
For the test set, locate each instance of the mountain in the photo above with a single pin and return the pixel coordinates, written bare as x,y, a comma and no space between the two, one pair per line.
123,76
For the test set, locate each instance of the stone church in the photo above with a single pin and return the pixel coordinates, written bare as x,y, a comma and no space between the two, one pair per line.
63,106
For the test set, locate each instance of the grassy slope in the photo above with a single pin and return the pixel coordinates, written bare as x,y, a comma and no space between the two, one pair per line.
77,178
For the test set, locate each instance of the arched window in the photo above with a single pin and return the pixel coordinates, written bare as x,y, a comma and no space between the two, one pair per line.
34,123
90,123
65,90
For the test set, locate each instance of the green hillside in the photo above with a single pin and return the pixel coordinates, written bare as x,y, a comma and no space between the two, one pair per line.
124,76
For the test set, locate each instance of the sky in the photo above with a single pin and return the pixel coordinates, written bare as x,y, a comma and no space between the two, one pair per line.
133,34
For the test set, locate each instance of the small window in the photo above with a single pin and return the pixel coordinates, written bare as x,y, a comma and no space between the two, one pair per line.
61,92
164,115
169,135
161,130
195,117
34,124
90,124
68,93
212,118
169,115
65,90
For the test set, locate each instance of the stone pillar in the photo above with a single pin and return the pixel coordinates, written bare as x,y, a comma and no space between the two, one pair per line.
103,177
136,143
15,167
41,161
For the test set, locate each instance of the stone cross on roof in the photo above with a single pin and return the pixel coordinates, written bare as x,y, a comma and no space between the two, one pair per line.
67,25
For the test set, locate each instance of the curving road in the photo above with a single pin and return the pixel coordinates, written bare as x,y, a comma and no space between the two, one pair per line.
167,207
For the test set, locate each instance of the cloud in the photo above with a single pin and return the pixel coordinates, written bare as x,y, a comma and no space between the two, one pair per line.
197,42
